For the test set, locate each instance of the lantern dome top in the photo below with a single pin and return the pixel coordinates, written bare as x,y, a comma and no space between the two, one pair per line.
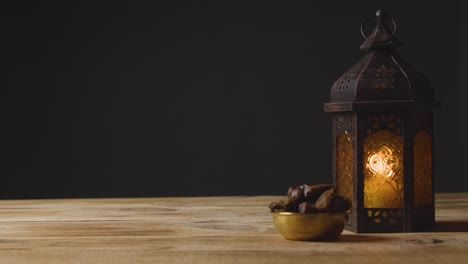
381,36
381,80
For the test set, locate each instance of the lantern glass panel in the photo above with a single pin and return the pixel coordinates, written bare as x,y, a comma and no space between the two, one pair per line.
383,170
422,168
344,165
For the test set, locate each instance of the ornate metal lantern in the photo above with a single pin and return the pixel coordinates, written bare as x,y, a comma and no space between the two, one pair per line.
382,137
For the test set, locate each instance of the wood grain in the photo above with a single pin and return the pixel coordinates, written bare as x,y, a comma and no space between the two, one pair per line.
206,230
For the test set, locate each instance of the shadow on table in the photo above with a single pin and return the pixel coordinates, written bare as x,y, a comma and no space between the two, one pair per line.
450,226
356,238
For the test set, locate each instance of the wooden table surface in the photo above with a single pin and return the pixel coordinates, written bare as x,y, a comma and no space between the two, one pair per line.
206,230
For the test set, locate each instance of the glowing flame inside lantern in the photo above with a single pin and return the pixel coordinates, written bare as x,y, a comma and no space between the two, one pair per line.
383,162
383,174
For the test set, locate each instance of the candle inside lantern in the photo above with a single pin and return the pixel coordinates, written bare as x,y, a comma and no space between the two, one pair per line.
383,162
383,186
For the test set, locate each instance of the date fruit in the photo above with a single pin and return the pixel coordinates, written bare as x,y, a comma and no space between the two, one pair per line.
312,199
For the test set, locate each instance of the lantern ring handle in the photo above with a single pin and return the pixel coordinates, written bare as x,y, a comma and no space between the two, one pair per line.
371,17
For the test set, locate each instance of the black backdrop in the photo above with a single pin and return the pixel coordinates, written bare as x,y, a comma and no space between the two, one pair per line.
183,98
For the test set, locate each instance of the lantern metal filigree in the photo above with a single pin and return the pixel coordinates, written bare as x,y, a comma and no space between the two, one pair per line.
382,133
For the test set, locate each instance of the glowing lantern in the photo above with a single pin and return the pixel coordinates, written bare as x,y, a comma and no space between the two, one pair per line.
382,137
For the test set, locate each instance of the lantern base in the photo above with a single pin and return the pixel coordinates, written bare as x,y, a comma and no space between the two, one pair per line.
391,220
421,227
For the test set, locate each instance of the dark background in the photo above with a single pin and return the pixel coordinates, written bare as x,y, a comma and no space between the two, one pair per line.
202,97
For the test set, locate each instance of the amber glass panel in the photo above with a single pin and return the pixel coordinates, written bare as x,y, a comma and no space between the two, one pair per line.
383,170
344,165
422,168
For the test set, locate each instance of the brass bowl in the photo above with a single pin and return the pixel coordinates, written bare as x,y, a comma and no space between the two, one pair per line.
316,227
